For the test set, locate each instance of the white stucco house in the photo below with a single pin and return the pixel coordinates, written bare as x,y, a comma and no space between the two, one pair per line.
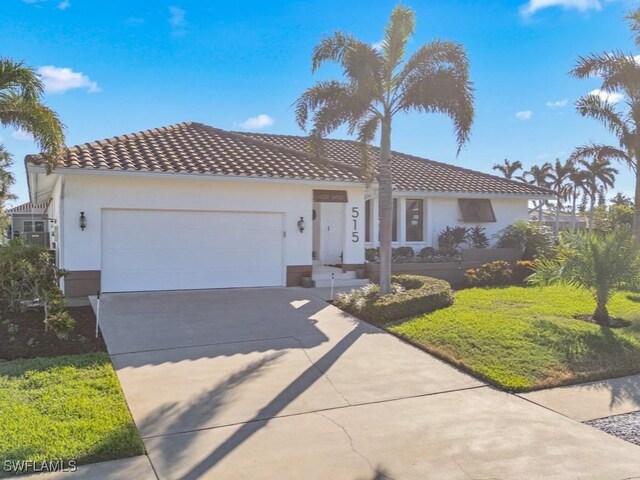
190,206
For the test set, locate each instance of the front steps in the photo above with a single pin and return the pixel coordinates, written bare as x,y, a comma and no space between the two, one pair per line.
323,274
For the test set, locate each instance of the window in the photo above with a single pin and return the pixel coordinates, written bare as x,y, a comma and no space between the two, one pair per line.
30,226
476,210
394,222
367,220
415,220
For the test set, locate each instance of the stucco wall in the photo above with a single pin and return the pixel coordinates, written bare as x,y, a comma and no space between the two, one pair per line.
442,212
91,193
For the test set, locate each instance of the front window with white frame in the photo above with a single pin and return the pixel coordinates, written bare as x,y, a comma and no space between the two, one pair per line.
414,227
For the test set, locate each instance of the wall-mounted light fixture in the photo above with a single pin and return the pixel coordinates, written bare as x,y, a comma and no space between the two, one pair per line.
301,224
83,221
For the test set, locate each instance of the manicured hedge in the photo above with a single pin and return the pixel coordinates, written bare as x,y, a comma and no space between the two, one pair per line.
412,295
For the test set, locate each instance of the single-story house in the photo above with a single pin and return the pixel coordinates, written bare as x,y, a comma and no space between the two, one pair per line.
29,222
190,206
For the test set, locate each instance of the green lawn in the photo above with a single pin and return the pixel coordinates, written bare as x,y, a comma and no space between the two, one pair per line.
67,407
526,338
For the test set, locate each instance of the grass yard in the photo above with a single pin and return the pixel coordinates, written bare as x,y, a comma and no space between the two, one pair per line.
527,338
64,408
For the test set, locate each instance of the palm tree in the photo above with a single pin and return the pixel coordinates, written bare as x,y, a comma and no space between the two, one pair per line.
577,188
559,176
622,200
21,107
599,177
620,73
508,169
539,175
377,85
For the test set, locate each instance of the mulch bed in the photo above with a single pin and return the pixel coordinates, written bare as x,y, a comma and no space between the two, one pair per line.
22,335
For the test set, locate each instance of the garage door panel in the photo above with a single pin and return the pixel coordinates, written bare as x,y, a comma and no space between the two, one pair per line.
174,250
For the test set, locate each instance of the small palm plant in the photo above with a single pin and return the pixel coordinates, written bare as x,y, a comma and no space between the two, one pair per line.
598,263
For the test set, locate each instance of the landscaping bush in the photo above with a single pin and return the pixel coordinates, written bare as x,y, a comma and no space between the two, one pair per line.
372,255
427,252
535,241
411,295
521,271
450,239
489,274
477,237
402,255
28,277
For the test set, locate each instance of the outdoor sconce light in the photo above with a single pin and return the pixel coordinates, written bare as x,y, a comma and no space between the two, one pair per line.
83,221
301,224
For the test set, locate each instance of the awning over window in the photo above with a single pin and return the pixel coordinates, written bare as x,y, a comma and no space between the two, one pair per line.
330,196
476,210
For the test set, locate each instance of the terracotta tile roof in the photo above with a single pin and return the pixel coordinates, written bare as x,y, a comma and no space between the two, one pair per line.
29,208
196,148
412,173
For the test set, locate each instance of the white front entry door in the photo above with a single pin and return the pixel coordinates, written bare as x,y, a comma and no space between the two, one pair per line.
146,250
331,233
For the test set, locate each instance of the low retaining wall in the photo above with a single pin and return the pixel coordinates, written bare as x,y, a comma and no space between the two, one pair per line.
452,272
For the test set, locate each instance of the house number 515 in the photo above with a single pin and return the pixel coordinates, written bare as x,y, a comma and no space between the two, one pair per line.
355,213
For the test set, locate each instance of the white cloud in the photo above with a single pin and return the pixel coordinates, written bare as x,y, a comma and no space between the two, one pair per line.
524,115
21,135
177,20
558,103
64,4
606,96
377,45
532,6
258,122
59,80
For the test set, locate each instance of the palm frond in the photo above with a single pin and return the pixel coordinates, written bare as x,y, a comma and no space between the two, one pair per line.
397,33
595,107
40,121
633,19
366,133
600,153
17,78
446,90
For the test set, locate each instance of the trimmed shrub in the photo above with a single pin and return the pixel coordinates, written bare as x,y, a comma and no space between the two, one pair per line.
372,255
402,254
535,241
522,270
489,274
411,295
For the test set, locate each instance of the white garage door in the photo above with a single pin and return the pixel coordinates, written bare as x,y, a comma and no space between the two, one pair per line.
145,250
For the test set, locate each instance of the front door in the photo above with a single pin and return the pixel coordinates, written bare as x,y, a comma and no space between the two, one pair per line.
331,233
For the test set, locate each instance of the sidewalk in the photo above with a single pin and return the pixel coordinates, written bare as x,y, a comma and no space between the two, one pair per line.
588,401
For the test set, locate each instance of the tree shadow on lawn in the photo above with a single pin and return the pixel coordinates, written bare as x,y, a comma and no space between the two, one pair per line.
598,353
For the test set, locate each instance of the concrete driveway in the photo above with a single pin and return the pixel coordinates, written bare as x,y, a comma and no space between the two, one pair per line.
276,383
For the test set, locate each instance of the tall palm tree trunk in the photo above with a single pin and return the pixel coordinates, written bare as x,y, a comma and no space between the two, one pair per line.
385,206
556,225
592,208
636,212
573,213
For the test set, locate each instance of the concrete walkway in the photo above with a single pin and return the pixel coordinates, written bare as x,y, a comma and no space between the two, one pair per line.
276,383
588,401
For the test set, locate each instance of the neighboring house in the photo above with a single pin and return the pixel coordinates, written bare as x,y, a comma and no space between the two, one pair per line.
192,207
566,220
29,222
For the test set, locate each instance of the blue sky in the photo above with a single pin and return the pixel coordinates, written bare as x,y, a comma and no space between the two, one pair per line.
118,67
